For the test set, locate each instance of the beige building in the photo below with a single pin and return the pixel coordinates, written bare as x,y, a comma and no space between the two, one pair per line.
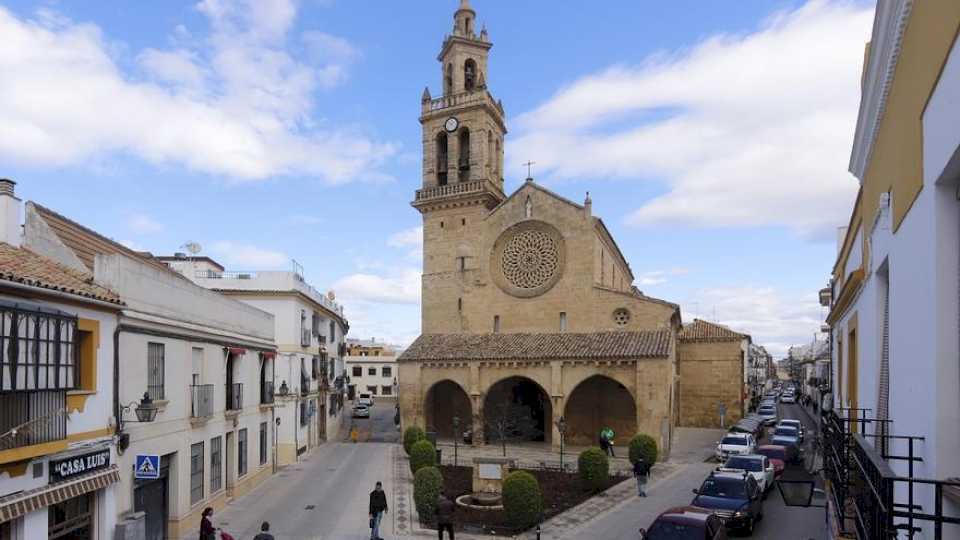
528,302
712,365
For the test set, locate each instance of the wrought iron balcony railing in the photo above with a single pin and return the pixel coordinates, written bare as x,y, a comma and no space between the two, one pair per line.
28,418
266,393
201,400
235,397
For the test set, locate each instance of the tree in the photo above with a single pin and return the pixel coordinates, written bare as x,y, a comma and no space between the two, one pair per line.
511,421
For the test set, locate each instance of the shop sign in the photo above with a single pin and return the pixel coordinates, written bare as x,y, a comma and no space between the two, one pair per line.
62,469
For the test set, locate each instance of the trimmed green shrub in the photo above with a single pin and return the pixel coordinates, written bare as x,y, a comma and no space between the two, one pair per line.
411,435
594,468
522,499
422,454
427,484
643,445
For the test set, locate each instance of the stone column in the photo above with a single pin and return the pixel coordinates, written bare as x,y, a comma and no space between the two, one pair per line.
476,401
557,401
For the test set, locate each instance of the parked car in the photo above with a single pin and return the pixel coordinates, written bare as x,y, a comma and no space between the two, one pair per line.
751,424
786,454
733,444
793,423
735,497
788,397
769,414
365,399
755,465
686,523
786,436
361,410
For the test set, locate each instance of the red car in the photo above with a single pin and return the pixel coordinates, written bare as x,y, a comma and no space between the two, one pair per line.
778,455
686,523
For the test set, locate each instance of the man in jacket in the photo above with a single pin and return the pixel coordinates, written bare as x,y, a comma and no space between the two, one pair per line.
444,511
378,507
641,471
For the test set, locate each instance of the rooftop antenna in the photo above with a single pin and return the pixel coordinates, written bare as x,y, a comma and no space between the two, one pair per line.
192,247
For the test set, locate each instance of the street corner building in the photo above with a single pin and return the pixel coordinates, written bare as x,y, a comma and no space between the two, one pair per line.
527,300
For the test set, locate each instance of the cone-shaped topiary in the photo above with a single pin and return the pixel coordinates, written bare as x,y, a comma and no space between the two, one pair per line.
643,445
522,499
411,435
422,454
594,468
427,484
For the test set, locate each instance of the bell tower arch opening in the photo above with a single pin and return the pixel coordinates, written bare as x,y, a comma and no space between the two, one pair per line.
469,74
463,160
442,157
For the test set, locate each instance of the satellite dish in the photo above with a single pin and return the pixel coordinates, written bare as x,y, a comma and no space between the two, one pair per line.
192,247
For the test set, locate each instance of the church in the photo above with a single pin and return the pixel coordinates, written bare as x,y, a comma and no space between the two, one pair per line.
530,320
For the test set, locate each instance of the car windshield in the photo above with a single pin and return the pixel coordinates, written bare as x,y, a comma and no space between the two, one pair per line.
747,464
775,453
786,431
767,410
731,488
665,530
790,423
739,441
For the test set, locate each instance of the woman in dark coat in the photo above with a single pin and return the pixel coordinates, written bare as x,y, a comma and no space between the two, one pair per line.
207,532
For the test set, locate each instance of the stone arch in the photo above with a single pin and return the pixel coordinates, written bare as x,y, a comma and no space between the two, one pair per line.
445,400
463,152
596,402
469,74
524,400
442,159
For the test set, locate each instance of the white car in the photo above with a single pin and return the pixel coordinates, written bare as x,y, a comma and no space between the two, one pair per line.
769,415
789,397
365,399
792,423
735,444
760,467
361,411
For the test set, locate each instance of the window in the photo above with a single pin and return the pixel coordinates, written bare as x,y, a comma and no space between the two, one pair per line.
263,443
38,350
372,390
372,371
303,413
463,221
469,70
387,390
357,371
464,157
89,338
387,371
461,263
442,159
196,473
73,518
459,304
315,326
216,470
496,324
563,321
333,332
441,224
155,370
242,452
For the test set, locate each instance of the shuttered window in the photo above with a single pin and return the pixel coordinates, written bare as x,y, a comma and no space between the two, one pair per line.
155,370
196,473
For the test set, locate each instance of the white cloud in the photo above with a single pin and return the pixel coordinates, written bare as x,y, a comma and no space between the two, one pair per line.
402,287
773,318
407,237
744,129
144,224
235,103
249,257
658,277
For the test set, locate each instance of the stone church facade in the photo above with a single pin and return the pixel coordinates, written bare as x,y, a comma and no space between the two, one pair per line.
527,299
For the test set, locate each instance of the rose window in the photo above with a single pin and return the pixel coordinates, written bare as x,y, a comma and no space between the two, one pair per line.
530,259
621,317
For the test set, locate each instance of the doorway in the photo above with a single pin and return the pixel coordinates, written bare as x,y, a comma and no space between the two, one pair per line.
152,498
231,463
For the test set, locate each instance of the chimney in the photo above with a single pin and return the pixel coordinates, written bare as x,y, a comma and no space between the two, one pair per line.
588,206
10,231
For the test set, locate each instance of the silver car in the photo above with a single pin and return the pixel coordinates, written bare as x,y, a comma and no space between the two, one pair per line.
769,415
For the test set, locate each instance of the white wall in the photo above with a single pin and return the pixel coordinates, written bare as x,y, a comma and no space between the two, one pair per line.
365,379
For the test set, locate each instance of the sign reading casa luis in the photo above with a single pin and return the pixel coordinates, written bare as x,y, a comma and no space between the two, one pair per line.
63,469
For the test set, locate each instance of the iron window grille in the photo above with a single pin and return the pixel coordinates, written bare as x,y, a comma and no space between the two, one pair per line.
196,473
216,466
155,369
235,397
201,400
242,452
38,349
263,443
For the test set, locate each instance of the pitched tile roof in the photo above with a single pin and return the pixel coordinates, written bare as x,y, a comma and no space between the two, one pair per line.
596,345
20,265
87,243
701,330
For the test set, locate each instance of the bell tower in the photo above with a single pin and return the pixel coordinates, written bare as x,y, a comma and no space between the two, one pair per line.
463,136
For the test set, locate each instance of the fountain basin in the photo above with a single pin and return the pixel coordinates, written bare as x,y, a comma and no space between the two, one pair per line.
481,501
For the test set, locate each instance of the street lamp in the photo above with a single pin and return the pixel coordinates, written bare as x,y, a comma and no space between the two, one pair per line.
562,428
284,389
456,430
145,410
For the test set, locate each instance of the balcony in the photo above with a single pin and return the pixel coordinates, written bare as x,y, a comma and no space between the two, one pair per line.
235,397
38,417
266,393
462,98
306,338
461,189
304,386
201,400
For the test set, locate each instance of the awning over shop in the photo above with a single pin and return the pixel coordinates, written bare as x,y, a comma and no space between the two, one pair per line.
236,350
269,354
19,504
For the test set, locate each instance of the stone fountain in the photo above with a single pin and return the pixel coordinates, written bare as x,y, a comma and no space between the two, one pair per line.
488,475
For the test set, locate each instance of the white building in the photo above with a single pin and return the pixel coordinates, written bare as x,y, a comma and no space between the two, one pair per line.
204,359
310,331
59,471
894,289
371,368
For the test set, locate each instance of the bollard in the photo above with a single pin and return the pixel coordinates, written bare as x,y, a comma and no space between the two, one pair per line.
538,532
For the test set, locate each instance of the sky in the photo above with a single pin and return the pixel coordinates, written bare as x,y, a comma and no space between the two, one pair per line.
713,137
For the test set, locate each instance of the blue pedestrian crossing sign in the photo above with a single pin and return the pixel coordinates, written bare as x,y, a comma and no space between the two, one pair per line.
147,467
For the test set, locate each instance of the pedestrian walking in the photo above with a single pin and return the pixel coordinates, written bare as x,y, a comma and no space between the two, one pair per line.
445,510
207,531
378,507
603,442
607,434
641,471
264,532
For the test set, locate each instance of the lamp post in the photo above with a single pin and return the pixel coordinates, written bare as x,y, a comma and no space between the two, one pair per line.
562,428
456,430
146,411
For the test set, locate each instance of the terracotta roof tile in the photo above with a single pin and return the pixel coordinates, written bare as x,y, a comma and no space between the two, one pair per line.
20,265
701,330
596,345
